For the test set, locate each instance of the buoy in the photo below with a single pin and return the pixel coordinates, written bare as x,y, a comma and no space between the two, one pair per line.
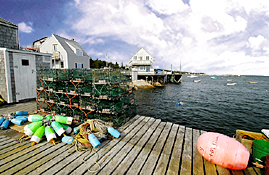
2,119
21,112
223,150
67,129
113,132
5,124
50,135
94,141
35,118
63,120
179,103
67,139
31,128
23,118
38,135
58,128
17,121
48,117
76,129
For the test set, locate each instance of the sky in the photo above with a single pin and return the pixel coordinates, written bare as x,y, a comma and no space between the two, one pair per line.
211,36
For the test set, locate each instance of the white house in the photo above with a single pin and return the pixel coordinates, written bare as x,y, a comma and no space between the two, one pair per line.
67,53
142,63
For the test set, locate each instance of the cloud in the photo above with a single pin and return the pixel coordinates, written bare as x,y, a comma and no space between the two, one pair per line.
205,36
23,27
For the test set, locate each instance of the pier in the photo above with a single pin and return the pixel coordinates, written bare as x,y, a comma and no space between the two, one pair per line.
146,146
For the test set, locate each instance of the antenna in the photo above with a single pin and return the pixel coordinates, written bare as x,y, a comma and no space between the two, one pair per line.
106,59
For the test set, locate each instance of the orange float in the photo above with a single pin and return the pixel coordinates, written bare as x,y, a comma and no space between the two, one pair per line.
223,150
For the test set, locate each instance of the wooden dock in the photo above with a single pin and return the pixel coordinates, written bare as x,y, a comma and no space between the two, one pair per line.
147,146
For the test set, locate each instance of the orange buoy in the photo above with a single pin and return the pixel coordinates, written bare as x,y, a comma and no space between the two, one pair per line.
223,150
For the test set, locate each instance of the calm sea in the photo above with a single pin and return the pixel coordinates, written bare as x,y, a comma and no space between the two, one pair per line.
210,105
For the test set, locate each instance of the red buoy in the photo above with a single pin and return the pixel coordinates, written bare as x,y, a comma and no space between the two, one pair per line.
223,150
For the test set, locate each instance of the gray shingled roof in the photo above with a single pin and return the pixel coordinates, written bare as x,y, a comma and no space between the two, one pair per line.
7,22
64,41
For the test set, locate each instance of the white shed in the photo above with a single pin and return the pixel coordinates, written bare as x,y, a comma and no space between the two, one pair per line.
19,71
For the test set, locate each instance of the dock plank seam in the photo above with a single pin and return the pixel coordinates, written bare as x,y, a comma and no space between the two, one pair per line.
70,168
112,151
126,149
133,154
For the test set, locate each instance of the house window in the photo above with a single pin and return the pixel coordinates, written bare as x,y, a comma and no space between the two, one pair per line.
147,68
79,65
62,64
140,58
135,57
147,57
77,52
142,67
81,53
25,62
55,47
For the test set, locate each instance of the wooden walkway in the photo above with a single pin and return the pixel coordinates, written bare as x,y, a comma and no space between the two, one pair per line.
147,146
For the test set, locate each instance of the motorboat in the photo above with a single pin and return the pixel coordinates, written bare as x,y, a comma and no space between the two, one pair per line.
192,76
196,81
252,82
213,77
231,84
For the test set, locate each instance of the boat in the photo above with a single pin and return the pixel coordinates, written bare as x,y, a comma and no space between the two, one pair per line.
252,82
265,132
192,76
229,80
213,77
231,84
196,81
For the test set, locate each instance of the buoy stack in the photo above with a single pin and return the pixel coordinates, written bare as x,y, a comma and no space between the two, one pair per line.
48,126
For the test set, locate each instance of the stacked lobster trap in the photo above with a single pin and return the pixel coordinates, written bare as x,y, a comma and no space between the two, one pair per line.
86,94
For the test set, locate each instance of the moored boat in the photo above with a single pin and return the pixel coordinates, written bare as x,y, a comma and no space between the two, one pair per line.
196,81
231,84
252,82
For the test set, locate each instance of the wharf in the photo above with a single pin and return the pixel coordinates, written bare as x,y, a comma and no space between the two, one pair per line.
146,146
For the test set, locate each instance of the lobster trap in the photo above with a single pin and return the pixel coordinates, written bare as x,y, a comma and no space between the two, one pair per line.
86,94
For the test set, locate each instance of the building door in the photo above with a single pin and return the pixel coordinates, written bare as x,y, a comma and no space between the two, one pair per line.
148,68
24,75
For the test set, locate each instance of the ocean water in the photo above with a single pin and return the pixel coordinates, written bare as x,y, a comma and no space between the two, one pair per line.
210,105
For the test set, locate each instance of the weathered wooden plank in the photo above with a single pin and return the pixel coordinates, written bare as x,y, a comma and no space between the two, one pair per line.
2,137
237,172
44,157
77,163
173,168
72,161
14,149
198,165
259,171
222,171
210,168
10,158
6,141
165,155
8,167
151,162
110,151
249,171
125,164
186,165
12,145
143,155
114,160
69,149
